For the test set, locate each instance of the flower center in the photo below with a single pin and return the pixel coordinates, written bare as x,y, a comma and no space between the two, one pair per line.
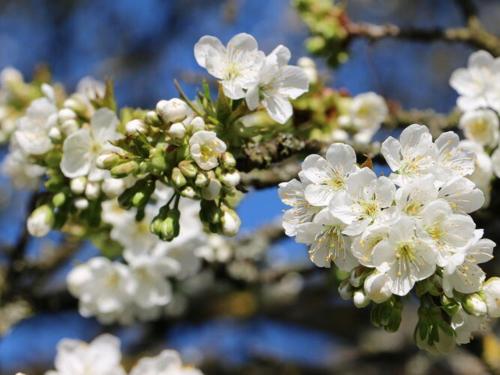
413,208
479,128
232,71
207,152
370,208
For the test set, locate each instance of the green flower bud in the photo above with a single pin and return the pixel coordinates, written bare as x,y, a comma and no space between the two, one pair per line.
40,221
59,199
178,178
188,192
201,180
108,160
345,290
125,169
209,212
169,227
187,168
212,190
230,222
228,160
475,305
153,119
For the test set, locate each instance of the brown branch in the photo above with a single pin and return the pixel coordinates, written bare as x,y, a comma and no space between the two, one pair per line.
473,34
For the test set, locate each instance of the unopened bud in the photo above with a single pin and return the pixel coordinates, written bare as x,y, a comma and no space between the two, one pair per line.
135,126
230,222
475,305
188,169
201,180
55,134
92,190
178,178
228,160
66,114
59,199
172,110
69,126
212,190
345,290
113,187
40,221
152,118
197,124
76,105
360,299
108,160
77,185
81,203
177,130
231,179
188,192
357,277
125,169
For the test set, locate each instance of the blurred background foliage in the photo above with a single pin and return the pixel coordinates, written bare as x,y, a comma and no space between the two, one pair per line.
143,45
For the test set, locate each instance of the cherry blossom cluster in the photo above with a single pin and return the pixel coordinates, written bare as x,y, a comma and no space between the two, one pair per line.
410,231
102,356
478,87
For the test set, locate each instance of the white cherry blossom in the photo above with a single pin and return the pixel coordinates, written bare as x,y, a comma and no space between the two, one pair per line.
462,272
444,230
237,65
364,202
481,126
412,156
404,257
277,83
327,243
82,148
462,195
328,176
478,84
104,288
206,149
491,290
100,357
32,130
292,194
167,362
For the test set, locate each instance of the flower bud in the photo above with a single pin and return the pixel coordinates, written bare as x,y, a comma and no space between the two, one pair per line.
76,105
92,190
475,305
81,203
360,299
77,185
125,169
231,179
309,67
166,226
113,187
69,127
345,290
201,180
357,276
188,192
228,160
188,169
152,118
177,130
197,124
10,76
40,221
491,291
59,199
172,110
55,134
178,178
230,222
107,160
212,190
135,126
66,114
377,287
